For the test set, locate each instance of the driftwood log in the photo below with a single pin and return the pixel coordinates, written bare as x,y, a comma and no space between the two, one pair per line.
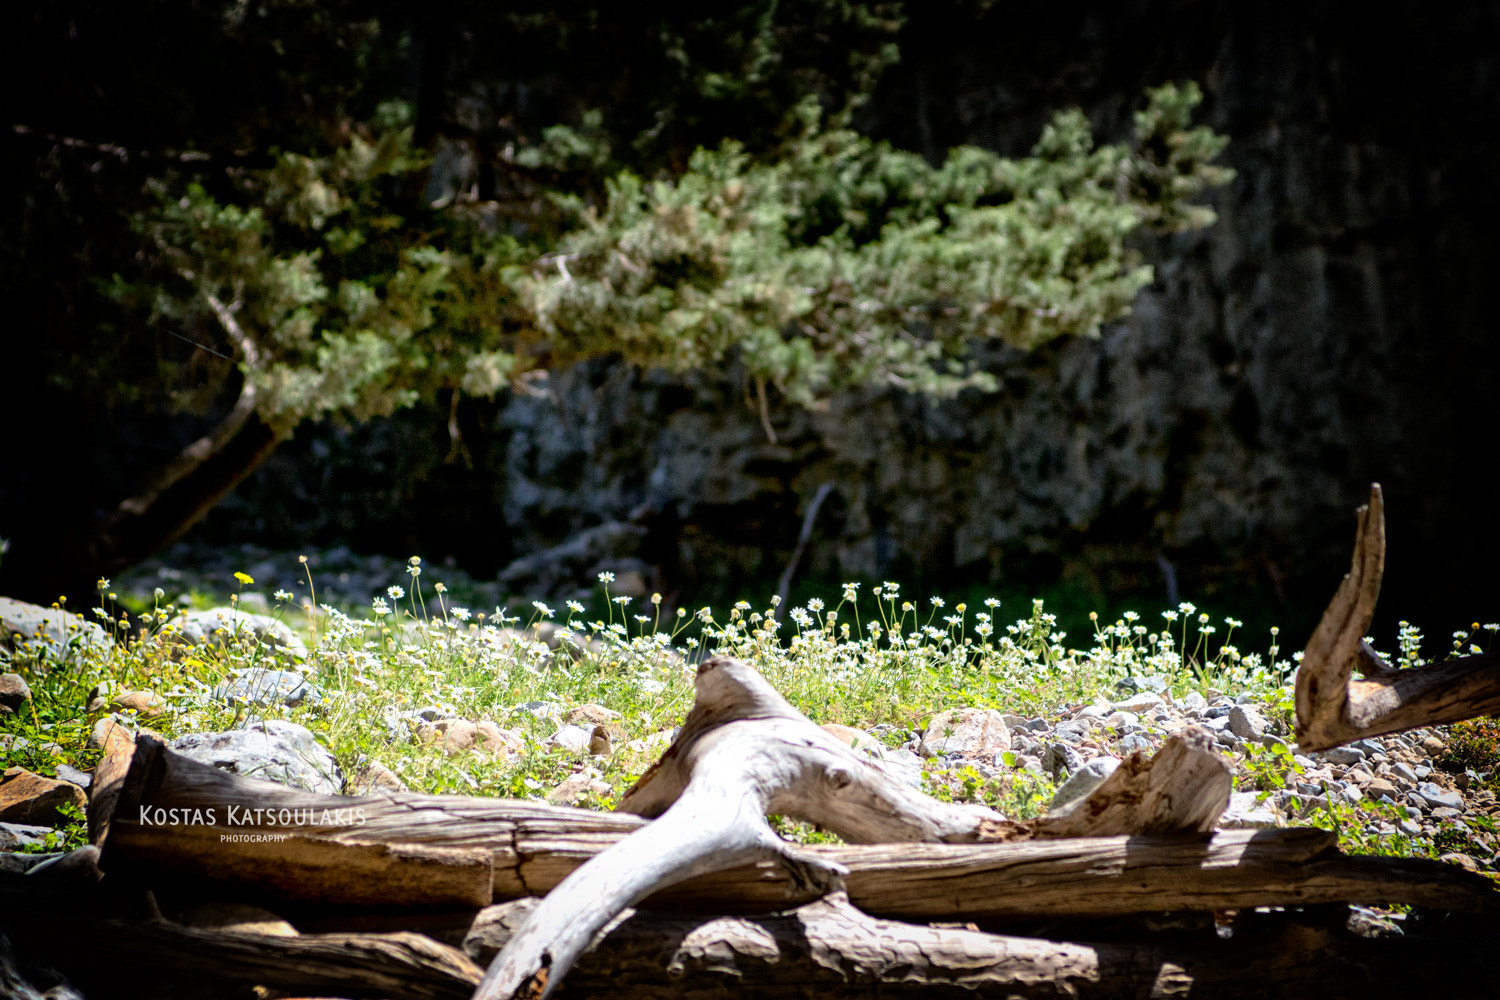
694,836
827,948
744,752
1334,708
507,849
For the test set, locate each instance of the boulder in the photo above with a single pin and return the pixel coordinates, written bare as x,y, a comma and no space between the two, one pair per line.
31,799
146,704
263,686
217,624
373,777
966,733
591,714
272,750
27,628
851,737
575,786
13,693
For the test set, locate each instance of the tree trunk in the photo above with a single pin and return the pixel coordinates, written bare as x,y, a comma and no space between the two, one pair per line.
68,559
826,949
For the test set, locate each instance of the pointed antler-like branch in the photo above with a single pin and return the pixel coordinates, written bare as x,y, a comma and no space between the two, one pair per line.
1335,708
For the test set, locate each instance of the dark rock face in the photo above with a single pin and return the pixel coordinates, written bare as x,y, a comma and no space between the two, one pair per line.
1331,330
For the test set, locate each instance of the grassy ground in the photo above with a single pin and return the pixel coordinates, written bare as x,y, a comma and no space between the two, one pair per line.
863,657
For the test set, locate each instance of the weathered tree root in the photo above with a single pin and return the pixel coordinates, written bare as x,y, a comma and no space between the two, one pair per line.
744,752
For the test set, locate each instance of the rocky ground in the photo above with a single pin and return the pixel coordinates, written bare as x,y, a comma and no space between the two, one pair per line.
1397,794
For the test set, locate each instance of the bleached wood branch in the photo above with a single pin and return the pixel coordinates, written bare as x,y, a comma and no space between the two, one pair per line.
1333,707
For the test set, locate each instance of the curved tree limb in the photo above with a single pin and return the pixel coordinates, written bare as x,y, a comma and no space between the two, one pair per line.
1334,708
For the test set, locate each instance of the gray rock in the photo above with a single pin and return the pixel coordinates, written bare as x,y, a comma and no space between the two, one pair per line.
1246,722
14,836
1438,797
574,738
260,686
1081,783
20,864
1139,703
1193,702
539,709
217,624
1343,756
67,772
1246,811
1135,742
31,628
966,732
1122,720
909,763
1153,683
13,693
272,750
1367,923
1060,758
1071,732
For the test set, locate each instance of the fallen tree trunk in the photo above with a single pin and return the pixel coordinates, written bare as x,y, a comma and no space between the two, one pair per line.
1333,708
827,948
830,949
420,851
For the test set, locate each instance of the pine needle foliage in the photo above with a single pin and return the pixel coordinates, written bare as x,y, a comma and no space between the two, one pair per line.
828,262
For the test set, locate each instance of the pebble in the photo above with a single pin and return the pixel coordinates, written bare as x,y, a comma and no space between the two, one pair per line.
1246,722
1343,755
1139,703
1082,782
1404,774
1438,797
